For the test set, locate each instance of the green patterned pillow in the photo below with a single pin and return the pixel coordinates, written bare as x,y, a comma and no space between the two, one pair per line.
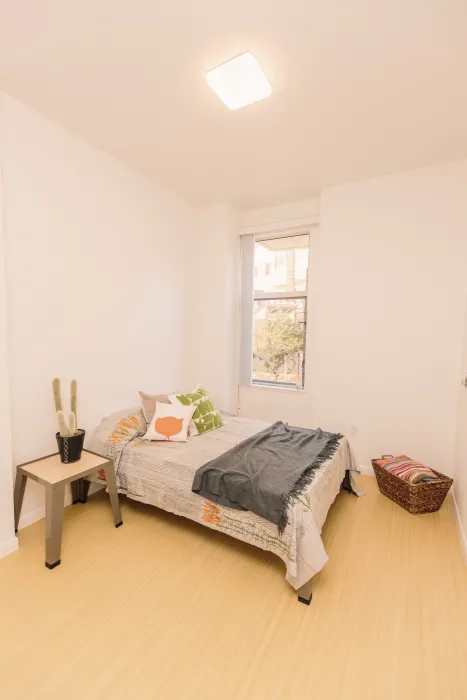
206,416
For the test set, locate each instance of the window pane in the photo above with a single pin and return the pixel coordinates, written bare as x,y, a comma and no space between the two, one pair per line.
281,264
279,328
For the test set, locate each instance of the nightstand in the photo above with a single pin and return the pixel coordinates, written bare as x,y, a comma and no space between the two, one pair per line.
51,473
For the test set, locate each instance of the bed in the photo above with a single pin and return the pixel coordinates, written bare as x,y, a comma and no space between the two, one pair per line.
161,474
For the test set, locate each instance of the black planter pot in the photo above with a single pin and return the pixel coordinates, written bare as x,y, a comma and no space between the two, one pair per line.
70,448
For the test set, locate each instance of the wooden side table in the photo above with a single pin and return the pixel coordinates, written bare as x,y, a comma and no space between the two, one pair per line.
50,472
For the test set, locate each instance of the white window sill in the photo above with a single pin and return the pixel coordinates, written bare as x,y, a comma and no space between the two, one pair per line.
286,389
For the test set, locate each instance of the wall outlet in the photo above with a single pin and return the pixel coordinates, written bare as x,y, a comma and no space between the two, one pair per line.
354,430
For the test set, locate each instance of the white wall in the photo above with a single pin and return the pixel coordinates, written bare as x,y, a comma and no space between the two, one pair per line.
96,280
213,304
390,306
460,473
270,404
8,541
282,212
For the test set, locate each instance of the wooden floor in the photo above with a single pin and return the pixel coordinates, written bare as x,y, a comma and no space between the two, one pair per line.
164,608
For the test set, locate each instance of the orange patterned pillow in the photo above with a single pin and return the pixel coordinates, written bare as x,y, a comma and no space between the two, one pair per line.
170,422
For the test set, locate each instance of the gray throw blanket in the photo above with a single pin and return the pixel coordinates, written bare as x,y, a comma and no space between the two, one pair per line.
266,472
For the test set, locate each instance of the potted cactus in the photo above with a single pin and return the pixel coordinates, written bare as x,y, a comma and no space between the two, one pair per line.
70,438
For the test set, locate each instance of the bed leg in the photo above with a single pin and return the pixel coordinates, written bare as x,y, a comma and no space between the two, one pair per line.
346,485
304,593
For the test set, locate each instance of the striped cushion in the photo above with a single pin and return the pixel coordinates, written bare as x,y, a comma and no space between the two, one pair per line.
407,469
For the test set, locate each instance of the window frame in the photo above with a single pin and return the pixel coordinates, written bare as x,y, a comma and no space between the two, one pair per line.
274,232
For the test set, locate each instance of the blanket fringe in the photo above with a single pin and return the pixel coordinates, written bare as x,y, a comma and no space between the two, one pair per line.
307,477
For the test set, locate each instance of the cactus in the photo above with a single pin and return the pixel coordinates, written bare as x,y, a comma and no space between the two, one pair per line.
73,400
57,395
66,430
62,426
72,424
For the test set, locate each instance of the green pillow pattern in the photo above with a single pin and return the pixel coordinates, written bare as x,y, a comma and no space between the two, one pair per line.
206,417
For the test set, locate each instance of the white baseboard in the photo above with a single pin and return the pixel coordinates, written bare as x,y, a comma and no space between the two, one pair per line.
31,517
366,469
8,547
460,527
36,514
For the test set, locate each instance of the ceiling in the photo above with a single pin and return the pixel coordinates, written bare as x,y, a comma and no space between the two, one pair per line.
360,87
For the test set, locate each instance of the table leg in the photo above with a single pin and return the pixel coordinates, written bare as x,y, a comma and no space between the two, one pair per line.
85,484
76,491
113,493
54,506
20,485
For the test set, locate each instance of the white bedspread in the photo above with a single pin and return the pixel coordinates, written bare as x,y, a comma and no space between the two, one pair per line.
161,474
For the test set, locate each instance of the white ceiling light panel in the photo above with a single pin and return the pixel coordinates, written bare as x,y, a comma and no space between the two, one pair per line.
239,82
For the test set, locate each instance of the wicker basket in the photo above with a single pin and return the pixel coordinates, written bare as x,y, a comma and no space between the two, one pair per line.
427,497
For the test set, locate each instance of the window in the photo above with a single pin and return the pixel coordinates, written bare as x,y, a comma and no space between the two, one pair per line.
275,310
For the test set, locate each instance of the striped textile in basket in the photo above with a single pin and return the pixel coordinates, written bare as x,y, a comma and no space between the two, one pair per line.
407,469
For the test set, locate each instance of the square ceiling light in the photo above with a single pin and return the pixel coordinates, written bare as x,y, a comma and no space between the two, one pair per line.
239,82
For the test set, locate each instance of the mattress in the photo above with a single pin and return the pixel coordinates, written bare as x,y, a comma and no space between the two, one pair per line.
160,473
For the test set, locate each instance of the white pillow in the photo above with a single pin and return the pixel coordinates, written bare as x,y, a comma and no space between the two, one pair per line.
170,422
